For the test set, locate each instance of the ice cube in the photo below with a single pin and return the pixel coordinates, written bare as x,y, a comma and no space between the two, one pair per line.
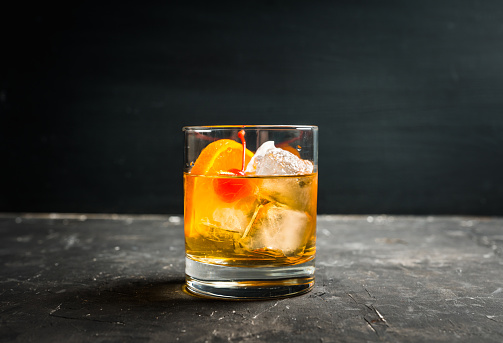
230,219
223,225
296,193
259,156
269,160
279,228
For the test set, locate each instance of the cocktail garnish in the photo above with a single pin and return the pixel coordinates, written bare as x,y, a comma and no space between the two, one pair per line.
234,188
220,156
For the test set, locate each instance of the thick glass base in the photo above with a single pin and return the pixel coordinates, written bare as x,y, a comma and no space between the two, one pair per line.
248,283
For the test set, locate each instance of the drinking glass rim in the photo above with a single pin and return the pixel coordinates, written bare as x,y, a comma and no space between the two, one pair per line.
261,127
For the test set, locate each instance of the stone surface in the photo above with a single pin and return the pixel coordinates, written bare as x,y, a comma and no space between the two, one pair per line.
379,278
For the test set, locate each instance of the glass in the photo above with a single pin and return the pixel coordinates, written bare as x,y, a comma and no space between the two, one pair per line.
250,216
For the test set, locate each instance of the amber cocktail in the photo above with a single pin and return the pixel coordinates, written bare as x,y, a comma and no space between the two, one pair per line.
250,210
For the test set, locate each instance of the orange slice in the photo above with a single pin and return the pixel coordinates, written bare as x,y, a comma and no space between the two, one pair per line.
219,156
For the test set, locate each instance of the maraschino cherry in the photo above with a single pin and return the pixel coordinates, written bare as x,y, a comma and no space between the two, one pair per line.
232,188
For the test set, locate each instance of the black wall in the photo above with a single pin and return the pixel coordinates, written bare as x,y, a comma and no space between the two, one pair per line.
408,96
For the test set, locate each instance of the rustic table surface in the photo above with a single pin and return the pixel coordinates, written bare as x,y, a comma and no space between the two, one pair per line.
110,278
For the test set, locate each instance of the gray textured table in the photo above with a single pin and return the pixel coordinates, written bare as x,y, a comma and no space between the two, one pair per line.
379,278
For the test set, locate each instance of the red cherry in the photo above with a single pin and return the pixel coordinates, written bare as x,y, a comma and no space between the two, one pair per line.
230,189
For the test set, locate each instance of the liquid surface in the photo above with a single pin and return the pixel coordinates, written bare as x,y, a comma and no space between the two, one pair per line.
272,224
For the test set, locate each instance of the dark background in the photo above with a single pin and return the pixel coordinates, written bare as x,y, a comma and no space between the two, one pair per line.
408,96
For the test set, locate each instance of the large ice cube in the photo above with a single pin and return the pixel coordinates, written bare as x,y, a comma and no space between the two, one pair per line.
279,228
296,193
269,160
259,156
224,225
229,222
230,219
